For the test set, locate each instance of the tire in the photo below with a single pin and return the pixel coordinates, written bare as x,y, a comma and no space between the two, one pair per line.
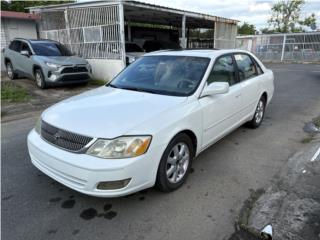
175,166
10,71
38,75
258,114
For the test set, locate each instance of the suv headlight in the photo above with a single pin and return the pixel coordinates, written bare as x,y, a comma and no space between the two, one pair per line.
53,65
122,147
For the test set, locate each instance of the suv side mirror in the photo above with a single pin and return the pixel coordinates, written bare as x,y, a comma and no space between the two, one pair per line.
25,53
215,88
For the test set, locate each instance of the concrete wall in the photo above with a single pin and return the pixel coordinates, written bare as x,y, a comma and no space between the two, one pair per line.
105,69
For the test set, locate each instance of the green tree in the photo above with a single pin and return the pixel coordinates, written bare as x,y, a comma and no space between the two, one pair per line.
20,6
286,16
267,30
246,29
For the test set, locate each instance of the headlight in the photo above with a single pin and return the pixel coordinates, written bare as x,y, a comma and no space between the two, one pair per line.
53,65
122,147
37,127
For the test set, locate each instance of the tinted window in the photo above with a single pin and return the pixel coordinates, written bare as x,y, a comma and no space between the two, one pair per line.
15,46
223,71
246,67
132,47
50,49
25,47
168,75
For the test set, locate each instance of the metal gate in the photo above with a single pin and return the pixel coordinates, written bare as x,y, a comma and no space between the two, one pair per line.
93,32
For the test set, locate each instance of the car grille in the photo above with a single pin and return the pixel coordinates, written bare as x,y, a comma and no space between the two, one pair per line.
75,69
63,139
76,77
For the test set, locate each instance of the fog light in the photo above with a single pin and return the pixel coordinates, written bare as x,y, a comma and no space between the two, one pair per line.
112,185
53,77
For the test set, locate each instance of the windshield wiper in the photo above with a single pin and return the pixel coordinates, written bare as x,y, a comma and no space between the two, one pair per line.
111,85
139,89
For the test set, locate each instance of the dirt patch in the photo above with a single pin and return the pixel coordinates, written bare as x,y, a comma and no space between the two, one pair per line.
21,98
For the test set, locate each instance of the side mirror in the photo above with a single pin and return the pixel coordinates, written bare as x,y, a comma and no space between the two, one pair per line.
215,88
25,53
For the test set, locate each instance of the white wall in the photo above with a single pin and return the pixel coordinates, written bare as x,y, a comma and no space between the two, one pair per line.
105,69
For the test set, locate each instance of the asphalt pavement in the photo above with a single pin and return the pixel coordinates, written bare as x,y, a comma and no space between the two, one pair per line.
37,207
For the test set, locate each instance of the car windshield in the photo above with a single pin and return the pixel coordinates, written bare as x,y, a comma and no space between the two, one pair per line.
50,49
167,75
132,47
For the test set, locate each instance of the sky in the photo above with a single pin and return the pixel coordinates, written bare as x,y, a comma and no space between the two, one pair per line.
255,12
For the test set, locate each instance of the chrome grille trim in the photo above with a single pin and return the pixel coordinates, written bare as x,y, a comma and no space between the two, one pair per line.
66,140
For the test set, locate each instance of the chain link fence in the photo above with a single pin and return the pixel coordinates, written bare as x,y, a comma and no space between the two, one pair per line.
300,47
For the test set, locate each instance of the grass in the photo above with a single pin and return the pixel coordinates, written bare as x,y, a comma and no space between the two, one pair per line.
316,122
98,82
10,92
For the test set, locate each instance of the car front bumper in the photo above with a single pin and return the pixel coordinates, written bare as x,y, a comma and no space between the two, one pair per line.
59,77
83,172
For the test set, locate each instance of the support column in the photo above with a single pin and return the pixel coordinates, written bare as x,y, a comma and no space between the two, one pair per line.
122,32
215,35
67,27
183,32
283,46
129,32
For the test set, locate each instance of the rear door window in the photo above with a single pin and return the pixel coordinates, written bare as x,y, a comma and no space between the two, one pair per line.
246,66
15,45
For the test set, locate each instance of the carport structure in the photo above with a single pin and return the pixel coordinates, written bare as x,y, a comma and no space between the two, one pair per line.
98,30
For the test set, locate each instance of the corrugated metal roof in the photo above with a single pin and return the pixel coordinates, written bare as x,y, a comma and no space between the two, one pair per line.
136,4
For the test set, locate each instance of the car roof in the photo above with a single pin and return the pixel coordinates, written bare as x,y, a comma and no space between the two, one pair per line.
211,53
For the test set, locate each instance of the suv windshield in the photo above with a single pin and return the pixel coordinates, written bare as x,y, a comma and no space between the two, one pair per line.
168,75
50,49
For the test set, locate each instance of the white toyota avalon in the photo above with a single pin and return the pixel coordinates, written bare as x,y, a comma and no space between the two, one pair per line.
147,125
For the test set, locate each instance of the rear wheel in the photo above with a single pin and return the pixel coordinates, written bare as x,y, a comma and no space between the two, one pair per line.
259,113
39,78
10,72
175,163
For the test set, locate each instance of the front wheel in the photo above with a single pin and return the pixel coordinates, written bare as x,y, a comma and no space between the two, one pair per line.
40,79
259,113
175,163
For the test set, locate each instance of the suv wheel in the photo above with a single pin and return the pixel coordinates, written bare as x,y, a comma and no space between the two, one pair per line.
175,163
39,79
10,72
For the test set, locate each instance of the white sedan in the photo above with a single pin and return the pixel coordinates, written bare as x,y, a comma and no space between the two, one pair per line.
147,125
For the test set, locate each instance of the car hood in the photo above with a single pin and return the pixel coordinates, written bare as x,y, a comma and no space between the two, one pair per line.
64,60
108,112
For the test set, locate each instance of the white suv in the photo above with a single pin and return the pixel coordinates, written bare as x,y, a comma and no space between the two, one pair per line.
147,125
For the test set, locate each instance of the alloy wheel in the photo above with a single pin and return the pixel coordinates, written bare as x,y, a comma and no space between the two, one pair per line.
259,111
178,162
38,79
